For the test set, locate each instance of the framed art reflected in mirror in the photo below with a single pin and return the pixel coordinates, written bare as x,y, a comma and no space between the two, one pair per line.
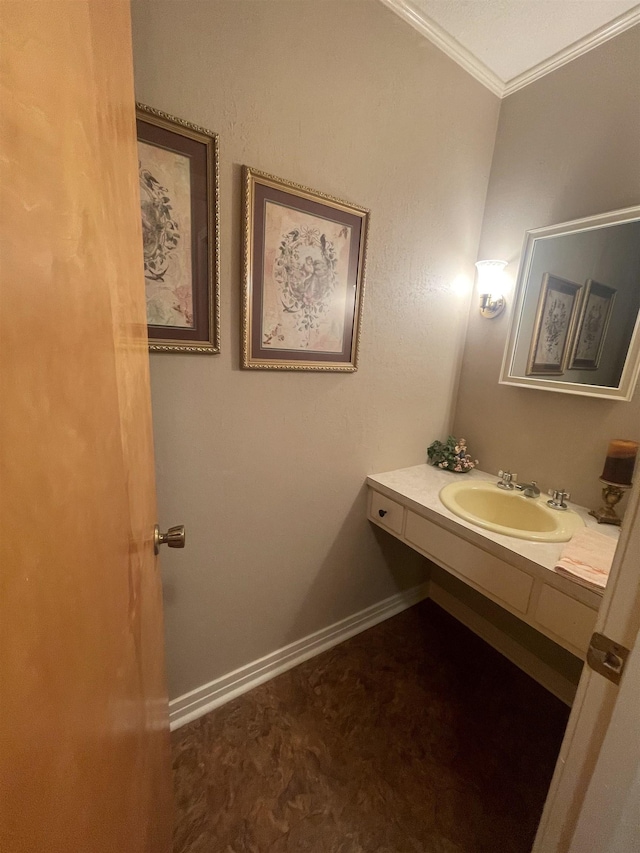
555,322
593,325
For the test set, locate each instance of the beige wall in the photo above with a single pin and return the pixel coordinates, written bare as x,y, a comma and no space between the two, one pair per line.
266,469
567,147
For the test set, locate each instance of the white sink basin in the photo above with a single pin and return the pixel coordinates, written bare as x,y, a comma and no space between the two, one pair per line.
509,512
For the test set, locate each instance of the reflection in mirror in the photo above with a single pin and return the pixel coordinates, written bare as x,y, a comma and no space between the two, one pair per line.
576,323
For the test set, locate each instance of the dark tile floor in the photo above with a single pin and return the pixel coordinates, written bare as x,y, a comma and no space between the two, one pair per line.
413,737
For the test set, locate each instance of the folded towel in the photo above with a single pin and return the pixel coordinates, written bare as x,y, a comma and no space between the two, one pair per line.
587,558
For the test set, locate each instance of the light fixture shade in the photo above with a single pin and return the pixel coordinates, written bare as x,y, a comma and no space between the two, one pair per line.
491,287
490,276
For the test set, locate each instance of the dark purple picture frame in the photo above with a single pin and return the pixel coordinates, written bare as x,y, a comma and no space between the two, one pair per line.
261,189
200,146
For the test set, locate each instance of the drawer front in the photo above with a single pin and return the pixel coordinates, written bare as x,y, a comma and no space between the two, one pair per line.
565,617
487,572
386,513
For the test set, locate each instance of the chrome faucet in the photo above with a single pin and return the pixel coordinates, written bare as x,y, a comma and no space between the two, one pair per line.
507,480
529,490
558,498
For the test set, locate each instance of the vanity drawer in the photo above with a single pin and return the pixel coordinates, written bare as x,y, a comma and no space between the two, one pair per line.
487,572
386,513
565,617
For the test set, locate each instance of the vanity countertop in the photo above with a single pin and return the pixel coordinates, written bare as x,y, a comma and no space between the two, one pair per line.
419,487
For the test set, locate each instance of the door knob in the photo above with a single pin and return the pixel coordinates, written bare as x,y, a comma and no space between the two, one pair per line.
174,537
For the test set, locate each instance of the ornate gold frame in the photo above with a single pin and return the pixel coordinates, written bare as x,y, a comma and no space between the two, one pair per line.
550,283
592,287
249,360
211,345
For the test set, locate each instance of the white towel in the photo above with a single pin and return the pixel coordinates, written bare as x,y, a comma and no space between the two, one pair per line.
587,558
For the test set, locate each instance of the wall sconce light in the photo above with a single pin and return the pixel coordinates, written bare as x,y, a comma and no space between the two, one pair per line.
491,287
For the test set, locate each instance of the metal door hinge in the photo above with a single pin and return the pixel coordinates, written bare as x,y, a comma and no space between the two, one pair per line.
606,657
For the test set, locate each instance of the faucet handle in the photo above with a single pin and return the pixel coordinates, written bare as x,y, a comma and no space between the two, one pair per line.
507,479
558,497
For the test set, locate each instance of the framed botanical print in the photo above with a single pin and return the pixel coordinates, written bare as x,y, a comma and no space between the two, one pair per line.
304,274
593,323
554,325
178,172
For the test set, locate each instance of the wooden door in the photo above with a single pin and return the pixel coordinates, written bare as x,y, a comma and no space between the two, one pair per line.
84,751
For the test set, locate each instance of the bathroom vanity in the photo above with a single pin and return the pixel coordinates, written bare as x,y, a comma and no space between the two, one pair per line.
516,574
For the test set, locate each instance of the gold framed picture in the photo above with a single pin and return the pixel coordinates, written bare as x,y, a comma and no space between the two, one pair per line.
554,325
178,169
595,313
304,276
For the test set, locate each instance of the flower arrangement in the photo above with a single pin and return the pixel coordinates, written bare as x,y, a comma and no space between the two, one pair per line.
451,455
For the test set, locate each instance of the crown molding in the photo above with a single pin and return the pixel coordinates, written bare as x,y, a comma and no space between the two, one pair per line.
573,51
406,10
428,28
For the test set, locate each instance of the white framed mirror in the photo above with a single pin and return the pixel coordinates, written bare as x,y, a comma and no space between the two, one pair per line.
575,327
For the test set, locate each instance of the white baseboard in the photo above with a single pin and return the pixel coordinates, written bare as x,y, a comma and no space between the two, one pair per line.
198,702
203,699
524,659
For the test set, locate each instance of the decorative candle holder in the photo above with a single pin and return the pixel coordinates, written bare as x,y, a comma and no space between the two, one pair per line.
616,476
612,494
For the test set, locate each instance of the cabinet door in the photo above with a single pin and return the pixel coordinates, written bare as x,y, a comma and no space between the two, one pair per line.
566,618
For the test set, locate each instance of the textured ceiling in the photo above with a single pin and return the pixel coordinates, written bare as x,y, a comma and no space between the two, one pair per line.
512,36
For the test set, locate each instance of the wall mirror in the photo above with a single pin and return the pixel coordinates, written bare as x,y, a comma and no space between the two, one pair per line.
575,327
